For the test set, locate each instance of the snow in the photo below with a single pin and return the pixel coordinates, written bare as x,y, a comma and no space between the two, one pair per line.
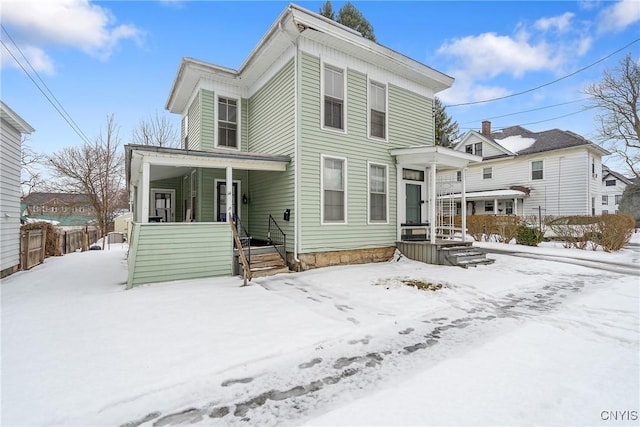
516,143
518,342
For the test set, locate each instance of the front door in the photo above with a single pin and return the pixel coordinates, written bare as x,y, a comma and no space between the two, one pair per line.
162,208
413,204
221,200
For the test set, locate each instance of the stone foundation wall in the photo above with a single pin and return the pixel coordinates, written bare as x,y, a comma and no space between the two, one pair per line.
354,256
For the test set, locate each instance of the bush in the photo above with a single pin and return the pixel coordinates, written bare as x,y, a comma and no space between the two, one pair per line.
615,231
528,236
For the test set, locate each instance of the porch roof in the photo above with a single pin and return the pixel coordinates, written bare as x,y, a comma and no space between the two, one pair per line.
170,162
425,155
487,195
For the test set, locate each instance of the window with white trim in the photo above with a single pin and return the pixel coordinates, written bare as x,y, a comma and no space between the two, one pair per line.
377,110
459,176
537,169
333,97
610,183
185,132
227,122
605,199
377,193
475,149
333,189
618,198
487,173
488,205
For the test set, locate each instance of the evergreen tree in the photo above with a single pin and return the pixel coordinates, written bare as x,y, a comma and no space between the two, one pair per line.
327,11
630,202
446,129
351,17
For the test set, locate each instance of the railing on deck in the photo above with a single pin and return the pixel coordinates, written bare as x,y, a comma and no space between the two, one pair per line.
242,244
277,238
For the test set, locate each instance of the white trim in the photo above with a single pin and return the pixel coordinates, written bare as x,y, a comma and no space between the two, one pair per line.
324,64
386,189
344,185
216,144
216,214
386,110
490,172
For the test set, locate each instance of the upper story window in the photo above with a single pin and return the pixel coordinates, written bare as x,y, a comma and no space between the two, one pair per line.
227,122
377,193
487,173
333,97
475,149
610,183
185,132
537,169
333,190
377,110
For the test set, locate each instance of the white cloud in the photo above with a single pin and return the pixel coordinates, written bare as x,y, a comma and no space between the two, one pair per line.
465,90
73,23
619,16
37,57
488,55
560,23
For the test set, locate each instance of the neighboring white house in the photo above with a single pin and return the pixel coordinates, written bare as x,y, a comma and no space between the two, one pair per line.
12,126
613,185
553,172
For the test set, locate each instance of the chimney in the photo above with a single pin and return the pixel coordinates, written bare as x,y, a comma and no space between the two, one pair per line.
486,128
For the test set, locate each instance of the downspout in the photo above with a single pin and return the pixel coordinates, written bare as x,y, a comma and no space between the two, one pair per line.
296,155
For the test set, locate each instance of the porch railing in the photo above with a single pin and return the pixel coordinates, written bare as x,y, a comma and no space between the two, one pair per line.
241,243
277,238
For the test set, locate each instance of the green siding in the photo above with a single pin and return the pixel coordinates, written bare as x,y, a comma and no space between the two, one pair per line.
178,251
409,124
271,130
207,119
194,124
207,193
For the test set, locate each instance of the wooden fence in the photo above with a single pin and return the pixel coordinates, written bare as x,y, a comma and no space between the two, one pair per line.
32,248
69,241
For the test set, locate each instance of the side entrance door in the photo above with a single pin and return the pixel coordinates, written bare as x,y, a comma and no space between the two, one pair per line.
413,204
162,205
221,200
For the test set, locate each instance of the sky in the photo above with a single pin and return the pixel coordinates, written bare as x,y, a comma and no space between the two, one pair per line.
120,57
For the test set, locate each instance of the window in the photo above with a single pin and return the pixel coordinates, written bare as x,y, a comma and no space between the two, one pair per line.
610,183
377,110
605,212
488,206
185,132
593,206
536,169
459,176
605,199
377,193
487,173
618,198
412,175
474,149
333,97
227,122
333,189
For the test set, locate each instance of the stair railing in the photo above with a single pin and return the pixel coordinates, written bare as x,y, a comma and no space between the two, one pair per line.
241,243
277,238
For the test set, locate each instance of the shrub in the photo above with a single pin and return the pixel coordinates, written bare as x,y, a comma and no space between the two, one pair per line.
615,231
528,236
505,228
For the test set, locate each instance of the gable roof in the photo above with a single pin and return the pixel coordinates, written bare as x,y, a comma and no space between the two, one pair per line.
68,199
483,138
608,172
14,119
293,23
548,140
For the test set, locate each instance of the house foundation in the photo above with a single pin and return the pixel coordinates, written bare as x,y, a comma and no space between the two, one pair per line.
312,260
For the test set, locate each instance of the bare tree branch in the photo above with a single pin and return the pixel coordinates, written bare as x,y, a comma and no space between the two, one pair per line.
30,174
157,130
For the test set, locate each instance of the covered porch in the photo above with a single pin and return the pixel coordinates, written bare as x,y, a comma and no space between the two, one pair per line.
182,208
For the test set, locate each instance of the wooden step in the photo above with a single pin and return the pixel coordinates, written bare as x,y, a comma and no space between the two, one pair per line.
268,271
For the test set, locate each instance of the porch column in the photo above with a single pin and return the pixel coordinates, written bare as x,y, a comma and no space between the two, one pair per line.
400,201
146,172
463,204
515,206
432,203
495,206
229,187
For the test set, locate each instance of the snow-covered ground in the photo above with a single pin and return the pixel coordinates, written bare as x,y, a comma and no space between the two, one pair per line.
519,342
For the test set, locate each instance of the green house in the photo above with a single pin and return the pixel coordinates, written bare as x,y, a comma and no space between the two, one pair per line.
326,138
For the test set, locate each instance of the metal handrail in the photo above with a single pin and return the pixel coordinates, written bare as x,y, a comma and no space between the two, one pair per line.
279,239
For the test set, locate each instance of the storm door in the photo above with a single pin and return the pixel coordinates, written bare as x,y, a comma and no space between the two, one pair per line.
221,200
413,204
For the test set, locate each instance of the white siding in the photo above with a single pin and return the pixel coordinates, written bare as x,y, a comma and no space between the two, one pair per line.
9,195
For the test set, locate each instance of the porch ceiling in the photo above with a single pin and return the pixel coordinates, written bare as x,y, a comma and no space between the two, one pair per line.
426,155
488,195
170,162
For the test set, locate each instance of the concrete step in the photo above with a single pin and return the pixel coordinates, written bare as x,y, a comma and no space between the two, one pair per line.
476,262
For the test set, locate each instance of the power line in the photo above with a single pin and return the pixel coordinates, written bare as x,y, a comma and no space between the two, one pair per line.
545,84
57,105
526,111
543,121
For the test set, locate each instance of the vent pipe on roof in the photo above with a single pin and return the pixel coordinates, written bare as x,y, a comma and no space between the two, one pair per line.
486,128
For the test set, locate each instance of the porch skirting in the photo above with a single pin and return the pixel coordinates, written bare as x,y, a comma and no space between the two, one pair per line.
312,260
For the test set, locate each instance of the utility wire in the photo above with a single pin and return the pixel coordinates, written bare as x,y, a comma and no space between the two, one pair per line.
545,84
526,111
541,121
57,104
